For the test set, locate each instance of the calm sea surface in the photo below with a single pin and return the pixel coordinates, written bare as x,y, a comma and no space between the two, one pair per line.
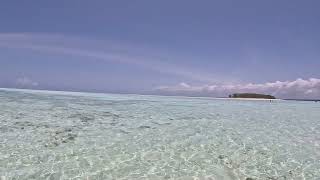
60,135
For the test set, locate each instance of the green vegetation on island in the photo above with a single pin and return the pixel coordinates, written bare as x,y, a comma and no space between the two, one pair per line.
251,95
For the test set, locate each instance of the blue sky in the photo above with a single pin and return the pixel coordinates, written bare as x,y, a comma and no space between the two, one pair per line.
143,46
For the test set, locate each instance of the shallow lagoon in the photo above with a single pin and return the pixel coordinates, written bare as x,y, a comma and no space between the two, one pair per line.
60,135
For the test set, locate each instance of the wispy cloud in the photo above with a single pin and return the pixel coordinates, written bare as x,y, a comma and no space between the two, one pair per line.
299,88
26,82
106,51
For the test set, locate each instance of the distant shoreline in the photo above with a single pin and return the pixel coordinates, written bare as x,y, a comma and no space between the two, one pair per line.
81,93
252,95
317,100
251,99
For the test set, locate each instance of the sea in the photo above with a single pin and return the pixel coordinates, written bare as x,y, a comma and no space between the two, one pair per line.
74,135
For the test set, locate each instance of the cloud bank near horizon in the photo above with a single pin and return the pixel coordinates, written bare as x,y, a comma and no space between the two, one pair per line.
299,88
26,82
113,52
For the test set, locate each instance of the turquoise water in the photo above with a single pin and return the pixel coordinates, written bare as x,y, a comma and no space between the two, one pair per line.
59,135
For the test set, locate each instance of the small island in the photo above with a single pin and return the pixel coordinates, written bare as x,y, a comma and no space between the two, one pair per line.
251,95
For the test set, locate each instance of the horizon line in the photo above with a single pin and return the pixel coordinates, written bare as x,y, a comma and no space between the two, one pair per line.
69,92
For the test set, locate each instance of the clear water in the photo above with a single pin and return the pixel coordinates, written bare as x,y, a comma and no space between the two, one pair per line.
58,135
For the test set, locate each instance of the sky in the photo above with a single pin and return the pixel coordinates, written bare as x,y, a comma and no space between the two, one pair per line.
181,47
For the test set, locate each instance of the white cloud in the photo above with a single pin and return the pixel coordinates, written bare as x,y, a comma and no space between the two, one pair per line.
300,88
26,82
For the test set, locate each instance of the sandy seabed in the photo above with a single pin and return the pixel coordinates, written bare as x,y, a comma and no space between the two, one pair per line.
65,135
